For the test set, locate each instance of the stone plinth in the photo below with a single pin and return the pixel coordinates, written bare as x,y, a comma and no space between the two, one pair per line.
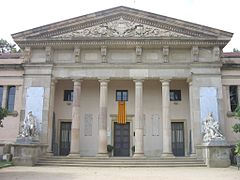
216,153
28,154
27,140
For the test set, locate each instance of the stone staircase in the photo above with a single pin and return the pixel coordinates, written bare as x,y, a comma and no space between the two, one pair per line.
119,162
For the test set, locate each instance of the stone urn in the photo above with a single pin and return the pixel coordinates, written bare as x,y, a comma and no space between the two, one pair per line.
110,150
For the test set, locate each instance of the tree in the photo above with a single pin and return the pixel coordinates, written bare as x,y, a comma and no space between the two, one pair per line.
3,114
6,47
236,50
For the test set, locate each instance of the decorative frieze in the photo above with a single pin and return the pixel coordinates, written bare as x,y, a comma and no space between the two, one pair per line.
77,54
195,54
49,54
104,54
165,54
216,53
27,54
139,54
121,28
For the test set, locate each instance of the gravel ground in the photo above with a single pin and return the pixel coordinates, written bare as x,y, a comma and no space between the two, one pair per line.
87,173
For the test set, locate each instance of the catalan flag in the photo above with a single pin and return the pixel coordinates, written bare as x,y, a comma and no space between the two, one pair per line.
121,119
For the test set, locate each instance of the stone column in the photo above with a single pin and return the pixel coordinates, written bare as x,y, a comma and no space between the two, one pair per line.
50,115
75,130
193,150
228,104
102,141
139,141
167,146
4,99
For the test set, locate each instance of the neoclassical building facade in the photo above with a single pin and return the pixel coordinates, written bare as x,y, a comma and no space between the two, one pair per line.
72,73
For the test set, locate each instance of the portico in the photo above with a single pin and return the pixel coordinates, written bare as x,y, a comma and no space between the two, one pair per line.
146,101
160,66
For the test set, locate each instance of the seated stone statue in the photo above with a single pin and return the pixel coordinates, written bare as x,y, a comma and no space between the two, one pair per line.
211,129
28,128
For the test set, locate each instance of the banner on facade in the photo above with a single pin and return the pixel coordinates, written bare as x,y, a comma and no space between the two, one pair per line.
121,118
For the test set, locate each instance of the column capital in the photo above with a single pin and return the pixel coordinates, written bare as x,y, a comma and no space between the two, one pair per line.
189,81
138,81
18,86
53,81
165,82
102,81
77,81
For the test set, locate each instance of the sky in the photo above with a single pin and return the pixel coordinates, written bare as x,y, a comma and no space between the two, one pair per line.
20,15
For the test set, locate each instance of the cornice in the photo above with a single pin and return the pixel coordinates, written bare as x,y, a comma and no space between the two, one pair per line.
123,42
174,65
127,13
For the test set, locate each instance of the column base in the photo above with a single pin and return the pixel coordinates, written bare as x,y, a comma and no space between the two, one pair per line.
49,153
138,155
193,155
102,155
75,155
167,155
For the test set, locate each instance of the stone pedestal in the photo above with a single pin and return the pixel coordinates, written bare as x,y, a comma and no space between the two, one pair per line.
28,154
7,152
216,153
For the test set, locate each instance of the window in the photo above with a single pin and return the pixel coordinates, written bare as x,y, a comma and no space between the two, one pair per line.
233,92
175,95
121,95
1,95
11,98
68,95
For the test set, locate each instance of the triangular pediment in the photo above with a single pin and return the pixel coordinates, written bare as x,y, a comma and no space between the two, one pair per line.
120,28
121,23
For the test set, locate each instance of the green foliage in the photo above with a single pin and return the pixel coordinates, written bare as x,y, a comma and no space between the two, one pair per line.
109,148
236,127
4,164
237,149
3,114
6,47
237,112
236,50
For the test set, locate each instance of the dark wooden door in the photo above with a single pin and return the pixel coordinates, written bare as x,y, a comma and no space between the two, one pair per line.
178,139
65,138
122,139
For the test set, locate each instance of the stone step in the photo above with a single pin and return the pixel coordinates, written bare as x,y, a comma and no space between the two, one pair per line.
86,160
120,162
122,165
118,159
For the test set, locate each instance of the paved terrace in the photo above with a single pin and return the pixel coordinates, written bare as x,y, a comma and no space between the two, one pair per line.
84,173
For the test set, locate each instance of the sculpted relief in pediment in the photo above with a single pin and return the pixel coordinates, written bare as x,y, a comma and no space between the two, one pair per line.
121,28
